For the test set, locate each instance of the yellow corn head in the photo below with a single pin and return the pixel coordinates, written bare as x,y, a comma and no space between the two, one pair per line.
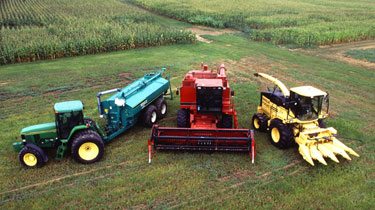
297,116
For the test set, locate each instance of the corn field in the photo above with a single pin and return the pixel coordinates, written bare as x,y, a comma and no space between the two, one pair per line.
298,22
46,29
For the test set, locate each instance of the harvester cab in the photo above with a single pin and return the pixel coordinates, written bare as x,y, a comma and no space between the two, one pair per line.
206,117
309,103
297,116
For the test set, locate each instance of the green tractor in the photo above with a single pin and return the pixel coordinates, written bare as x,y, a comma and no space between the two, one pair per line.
143,101
70,127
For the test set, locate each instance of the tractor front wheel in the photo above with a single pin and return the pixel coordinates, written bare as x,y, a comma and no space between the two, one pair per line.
260,122
281,134
30,158
87,146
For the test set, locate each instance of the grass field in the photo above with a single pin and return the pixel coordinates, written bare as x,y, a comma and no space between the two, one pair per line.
279,179
45,29
298,22
368,55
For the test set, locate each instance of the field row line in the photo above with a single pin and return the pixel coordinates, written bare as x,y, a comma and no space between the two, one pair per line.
233,186
66,177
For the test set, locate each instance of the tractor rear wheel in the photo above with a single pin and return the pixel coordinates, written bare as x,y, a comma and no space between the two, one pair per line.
183,118
150,115
161,106
227,121
281,134
30,158
87,146
260,122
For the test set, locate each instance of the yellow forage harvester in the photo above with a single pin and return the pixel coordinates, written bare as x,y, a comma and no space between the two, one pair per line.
297,115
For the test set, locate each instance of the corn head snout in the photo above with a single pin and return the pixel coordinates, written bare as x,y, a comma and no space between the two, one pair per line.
322,143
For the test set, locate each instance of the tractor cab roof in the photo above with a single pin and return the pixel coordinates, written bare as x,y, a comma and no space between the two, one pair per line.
308,91
68,106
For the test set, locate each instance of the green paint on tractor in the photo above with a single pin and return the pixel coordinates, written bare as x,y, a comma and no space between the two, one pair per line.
142,100
41,128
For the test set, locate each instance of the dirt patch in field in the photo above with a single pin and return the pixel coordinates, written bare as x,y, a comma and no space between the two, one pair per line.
337,52
201,30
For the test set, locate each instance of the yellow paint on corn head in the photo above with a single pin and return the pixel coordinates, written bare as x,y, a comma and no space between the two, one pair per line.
315,143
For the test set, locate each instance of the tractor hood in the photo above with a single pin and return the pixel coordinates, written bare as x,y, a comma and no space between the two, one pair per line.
41,128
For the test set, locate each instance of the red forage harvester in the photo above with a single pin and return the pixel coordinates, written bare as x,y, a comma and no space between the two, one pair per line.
205,118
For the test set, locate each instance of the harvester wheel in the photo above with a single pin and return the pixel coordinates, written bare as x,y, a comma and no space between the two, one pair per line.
87,146
183,118
260,122
161,106
322,124
227,121
150,115
30,158
281,134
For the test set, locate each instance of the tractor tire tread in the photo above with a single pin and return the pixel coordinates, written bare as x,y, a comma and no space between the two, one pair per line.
147,114
183,118
159,104
263,119
286,134
38,156
83,136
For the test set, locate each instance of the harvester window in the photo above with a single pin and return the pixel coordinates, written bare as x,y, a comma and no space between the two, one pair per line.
325,104
307,108
209,99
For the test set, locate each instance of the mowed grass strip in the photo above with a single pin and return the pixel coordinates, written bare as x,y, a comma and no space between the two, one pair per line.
185,180
366,55
298,23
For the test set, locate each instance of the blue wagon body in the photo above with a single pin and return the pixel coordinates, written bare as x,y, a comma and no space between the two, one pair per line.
123,109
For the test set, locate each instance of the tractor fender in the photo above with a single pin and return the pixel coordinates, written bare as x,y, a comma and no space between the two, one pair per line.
75,129
18,146
44,156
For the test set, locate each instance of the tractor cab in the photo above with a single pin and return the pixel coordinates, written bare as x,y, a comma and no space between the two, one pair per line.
308,103
68,115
